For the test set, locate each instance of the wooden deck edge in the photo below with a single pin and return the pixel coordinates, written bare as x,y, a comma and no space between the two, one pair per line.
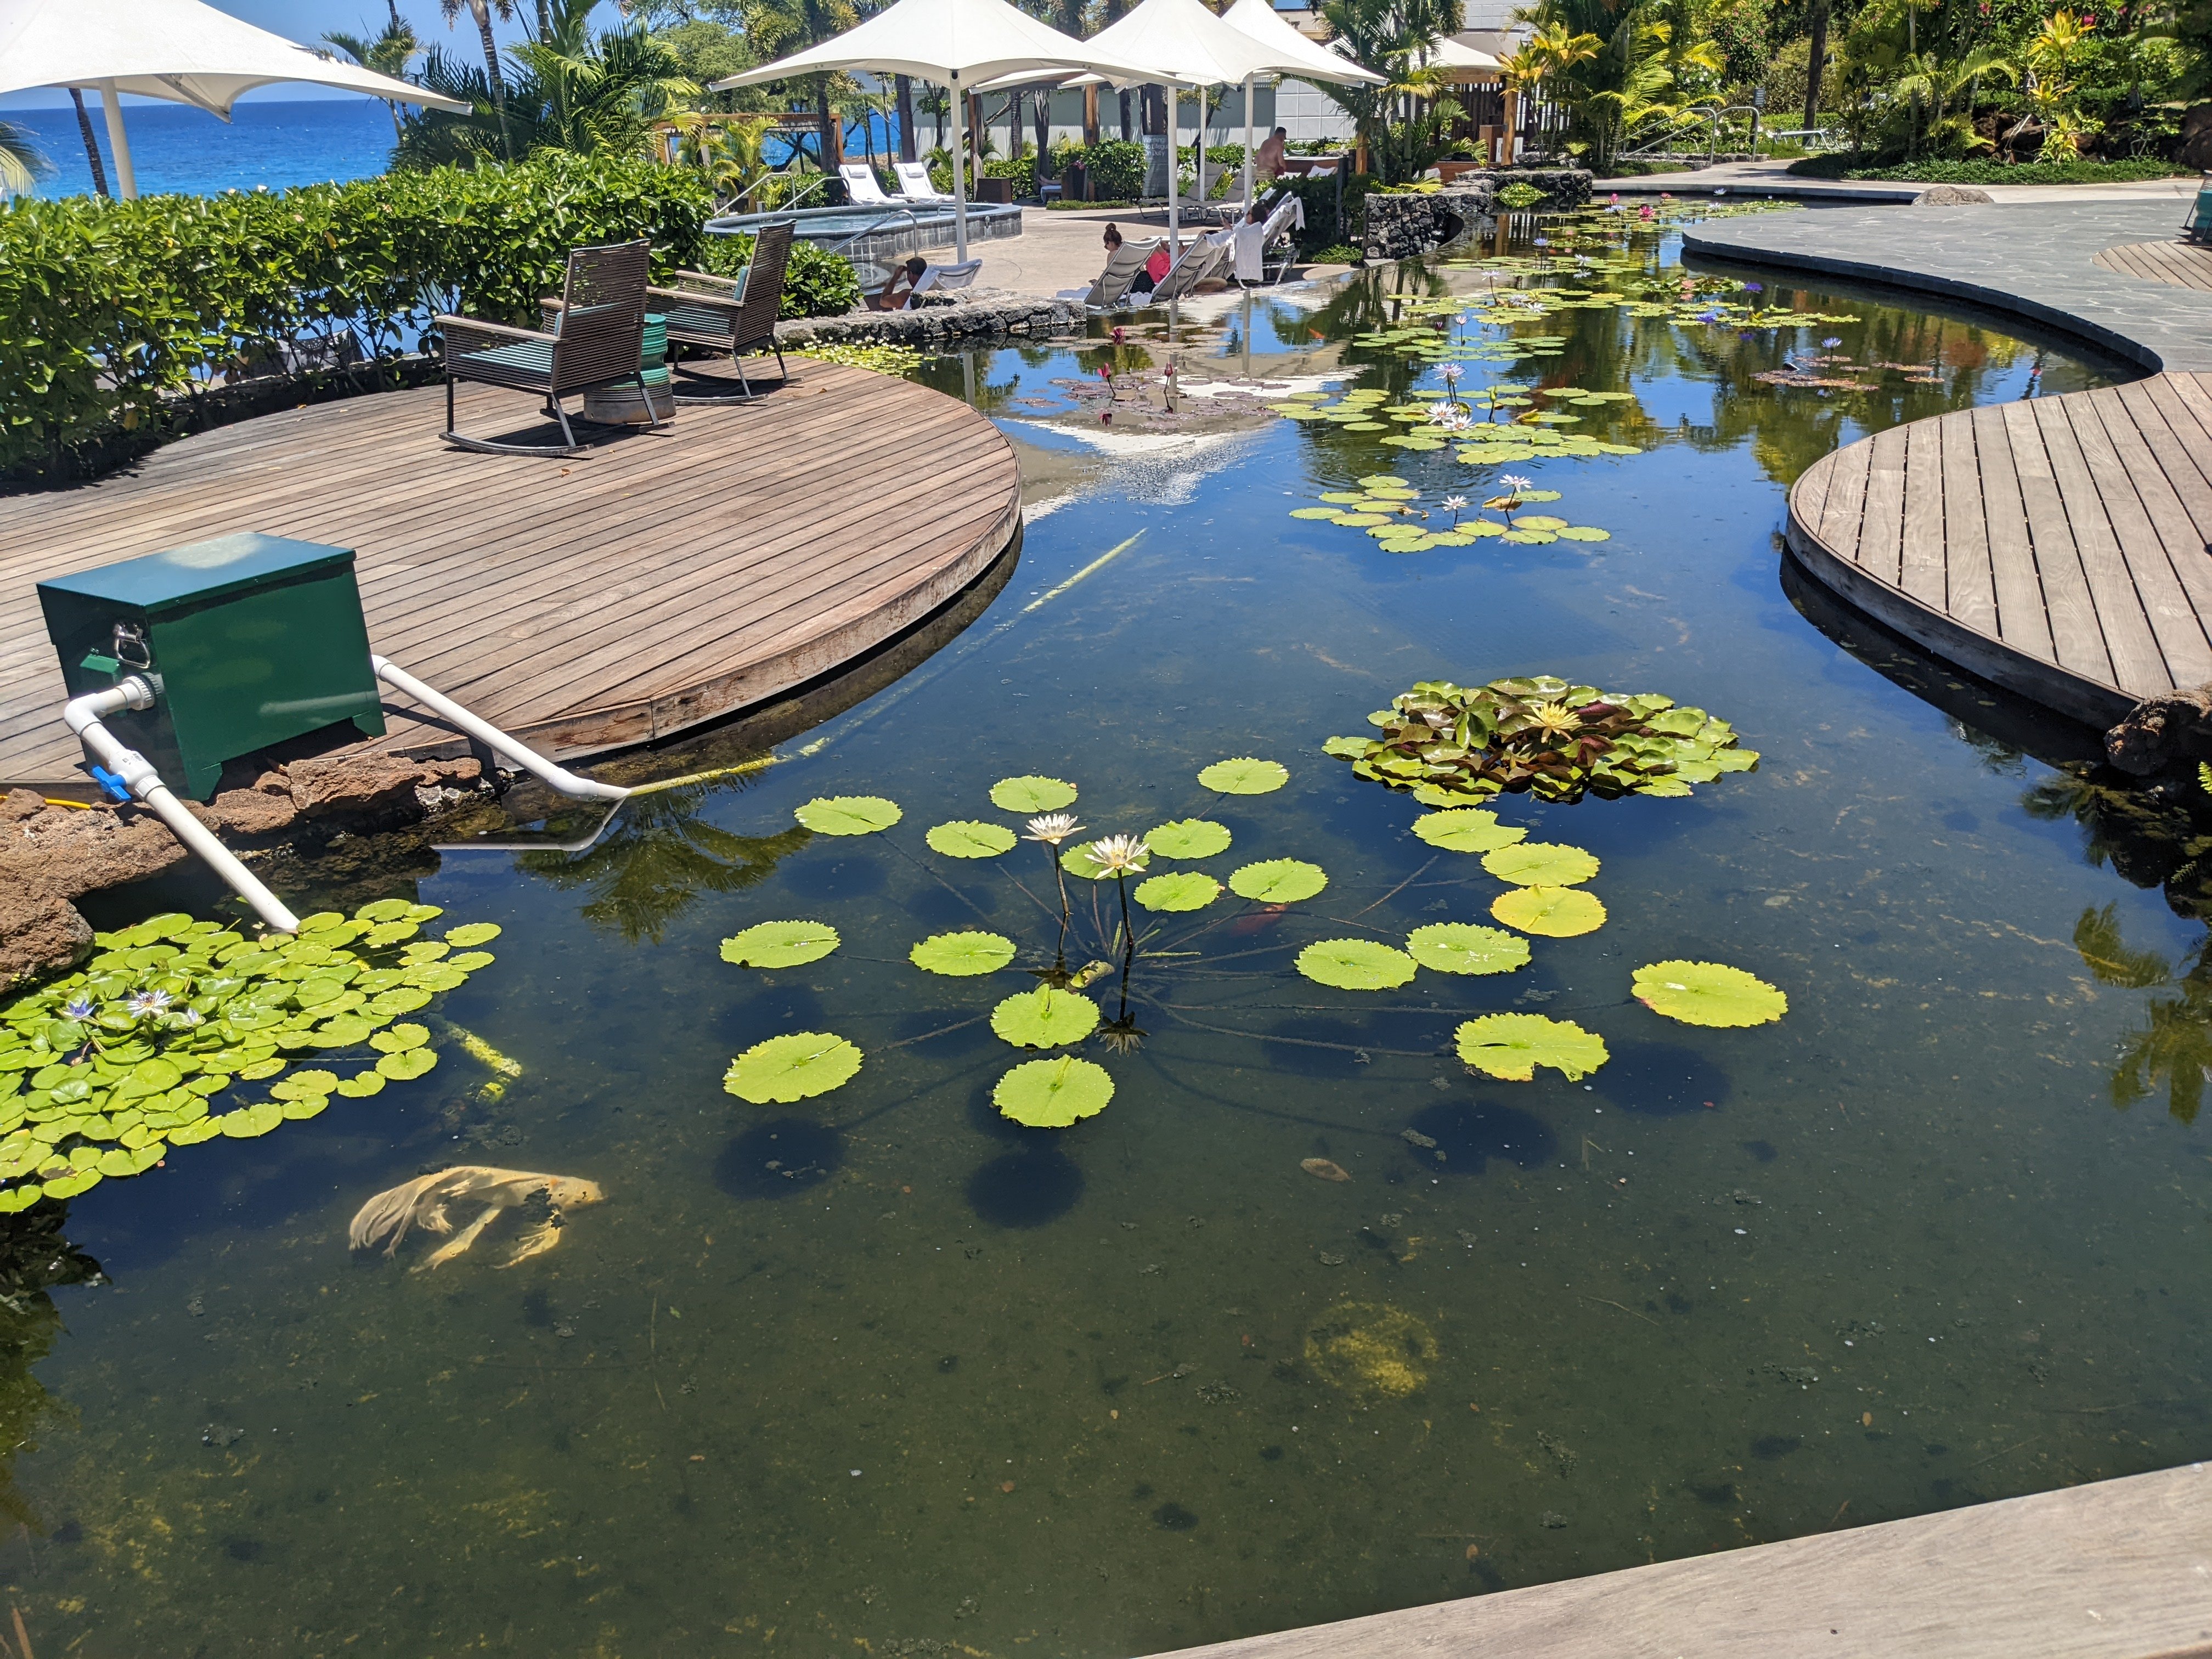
647,719
2085,329
2114,1570
2087,701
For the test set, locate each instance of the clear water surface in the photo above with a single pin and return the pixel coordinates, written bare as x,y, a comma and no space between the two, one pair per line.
881,1371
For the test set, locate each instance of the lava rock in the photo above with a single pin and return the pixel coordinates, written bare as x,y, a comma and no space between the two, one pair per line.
41,935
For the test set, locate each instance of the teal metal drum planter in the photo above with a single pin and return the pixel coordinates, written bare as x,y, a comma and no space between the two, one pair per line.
623,404
246,641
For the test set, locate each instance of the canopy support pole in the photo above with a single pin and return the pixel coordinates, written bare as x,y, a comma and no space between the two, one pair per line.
126,178
1248,147
1175,165
959,171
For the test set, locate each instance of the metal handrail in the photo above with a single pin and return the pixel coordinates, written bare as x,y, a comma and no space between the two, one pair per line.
870,228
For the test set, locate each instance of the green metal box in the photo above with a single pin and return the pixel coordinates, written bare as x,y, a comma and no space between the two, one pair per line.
255,639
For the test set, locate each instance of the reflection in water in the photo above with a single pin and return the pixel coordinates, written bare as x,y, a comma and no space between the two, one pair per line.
1026,1188
778,1159
659,858
34,1259
2173,1046
1463,1136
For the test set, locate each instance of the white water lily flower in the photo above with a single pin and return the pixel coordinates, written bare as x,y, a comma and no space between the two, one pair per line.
1052,827
1515,482
1120,854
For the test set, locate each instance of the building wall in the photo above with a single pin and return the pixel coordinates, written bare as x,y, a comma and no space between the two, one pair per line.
1225,116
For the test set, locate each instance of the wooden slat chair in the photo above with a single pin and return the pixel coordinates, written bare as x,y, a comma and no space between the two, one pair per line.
601,328
731,314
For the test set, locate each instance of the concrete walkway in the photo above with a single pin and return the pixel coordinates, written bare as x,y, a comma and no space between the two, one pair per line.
2037,261
1775,178
1065,248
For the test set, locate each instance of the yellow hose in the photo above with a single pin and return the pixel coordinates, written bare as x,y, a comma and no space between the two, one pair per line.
659,784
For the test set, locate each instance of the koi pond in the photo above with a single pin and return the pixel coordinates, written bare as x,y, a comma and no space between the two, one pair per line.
1620,1060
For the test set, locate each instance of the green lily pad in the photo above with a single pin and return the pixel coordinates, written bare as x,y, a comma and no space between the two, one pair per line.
343,1032
1458,947
261,1068
1244,776
1467,829
1044,1017
469,961
1542,864
69,1186
386,934
361,1087
969,838
1355,964
1552,912
1314,512
193,1133
399,1039
795,1066
1583,532
1077,861
780,944
383,909
1539,521
1186,889
306,1106
1708,993
400,1000
408,1063
1277,881
963,956
469,934
258,1119
848,815
309,1082
1385,481
1188,838
1030,794
1512,1046
1055,1093
1344,497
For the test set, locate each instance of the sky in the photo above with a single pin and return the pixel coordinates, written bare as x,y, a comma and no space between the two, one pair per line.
307,20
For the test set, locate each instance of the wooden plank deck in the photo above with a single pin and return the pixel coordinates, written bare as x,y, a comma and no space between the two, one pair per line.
2115,1570
2183,264
657,581
2060,546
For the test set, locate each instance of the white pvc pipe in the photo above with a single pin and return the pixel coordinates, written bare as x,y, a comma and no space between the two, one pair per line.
137,774
560,778
118,142
1248,146
1175,163
959,101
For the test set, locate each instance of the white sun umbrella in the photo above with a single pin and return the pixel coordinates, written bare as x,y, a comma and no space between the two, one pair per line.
1296,58
955,43
178,49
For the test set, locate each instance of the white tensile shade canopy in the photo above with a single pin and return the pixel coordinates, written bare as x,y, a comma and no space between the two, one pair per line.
1461,62
955,43
178,49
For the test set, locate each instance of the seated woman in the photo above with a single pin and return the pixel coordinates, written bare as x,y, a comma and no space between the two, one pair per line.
1155,268
900,290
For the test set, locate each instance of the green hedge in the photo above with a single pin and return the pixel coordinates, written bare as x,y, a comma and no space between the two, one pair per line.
109,310
1984,172
816,282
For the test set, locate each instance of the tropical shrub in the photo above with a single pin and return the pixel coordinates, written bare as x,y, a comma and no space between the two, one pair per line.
1116,168
111,311
1985,172
816,283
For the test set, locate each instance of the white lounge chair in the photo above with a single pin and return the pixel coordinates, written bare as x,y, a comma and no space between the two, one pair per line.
942,279
861,186
1112,287
1253,241
914,183
1203,260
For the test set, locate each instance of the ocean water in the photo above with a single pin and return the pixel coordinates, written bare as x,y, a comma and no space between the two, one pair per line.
876,1370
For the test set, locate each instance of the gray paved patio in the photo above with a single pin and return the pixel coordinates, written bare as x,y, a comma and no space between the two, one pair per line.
2038,262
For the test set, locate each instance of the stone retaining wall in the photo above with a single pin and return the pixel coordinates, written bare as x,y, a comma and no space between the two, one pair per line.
980,314
1401,226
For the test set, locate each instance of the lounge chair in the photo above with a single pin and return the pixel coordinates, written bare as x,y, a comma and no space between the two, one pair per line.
1203,260
1253,243
915,186
731,314
596,343
942,279
861,188
1112,286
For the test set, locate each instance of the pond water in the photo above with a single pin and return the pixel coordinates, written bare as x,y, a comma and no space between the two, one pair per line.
880,1370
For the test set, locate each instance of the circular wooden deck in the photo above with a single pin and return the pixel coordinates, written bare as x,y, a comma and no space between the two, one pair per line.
655,581
2061,547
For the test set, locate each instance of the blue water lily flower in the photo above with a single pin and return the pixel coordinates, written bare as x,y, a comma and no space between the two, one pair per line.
139,1003
79,1008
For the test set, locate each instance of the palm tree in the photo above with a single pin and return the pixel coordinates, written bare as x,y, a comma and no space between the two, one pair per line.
91,144
481,10
1927,79
392,52
22,163
1391,37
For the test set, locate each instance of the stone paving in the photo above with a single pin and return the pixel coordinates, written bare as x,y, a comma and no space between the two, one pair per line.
1775,178
2038,262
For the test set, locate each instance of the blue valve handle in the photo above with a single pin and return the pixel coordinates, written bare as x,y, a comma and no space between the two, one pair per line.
114,786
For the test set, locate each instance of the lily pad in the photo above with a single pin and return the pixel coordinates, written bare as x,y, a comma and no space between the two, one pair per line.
962,955
795,1066
969,838
1244,776
1277,881
69,1186
469,934
383,909
305,1083
1552,912
361,1087
1467,829
1512,1046
1542,864
1458,947
258,1119
1708,993
780,944
398,1039
847,815
1355,964
1044,1017
1077,861
408,1063
1188,838
1031,794
1054,1094
1186,889
1313,512
1584,532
